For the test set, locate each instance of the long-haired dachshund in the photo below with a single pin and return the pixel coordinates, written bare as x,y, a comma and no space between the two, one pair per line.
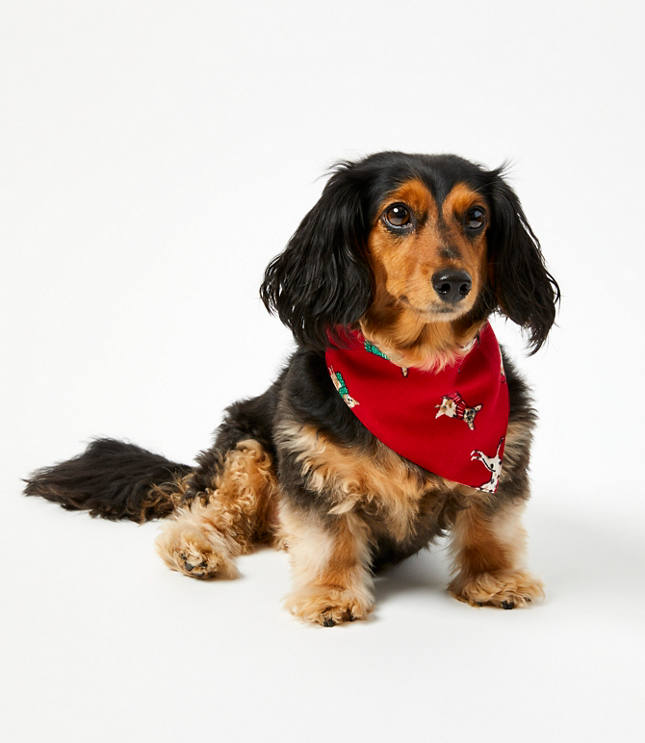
395,420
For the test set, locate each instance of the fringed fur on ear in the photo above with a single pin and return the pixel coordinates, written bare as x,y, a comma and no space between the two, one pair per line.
525,291
322,279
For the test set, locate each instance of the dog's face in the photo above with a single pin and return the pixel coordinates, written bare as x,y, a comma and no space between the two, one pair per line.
428,253
417,251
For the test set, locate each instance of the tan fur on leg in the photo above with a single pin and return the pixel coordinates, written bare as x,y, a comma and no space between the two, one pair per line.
489,553
203,539
332,583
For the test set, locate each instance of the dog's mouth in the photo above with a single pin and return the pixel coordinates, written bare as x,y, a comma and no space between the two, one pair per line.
433,311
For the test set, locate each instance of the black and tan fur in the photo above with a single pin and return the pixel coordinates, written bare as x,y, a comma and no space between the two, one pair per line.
294,467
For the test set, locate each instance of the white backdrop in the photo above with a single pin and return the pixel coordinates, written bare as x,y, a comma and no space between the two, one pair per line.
153,158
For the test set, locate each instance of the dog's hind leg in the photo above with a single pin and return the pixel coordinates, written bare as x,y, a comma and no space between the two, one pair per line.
234,511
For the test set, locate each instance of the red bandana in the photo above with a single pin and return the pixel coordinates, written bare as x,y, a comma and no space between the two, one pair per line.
452,422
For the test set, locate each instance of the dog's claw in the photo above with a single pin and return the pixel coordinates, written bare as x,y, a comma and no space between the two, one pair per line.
189,567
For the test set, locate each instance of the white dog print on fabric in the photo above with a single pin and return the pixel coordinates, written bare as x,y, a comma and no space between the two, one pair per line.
493,465
453,406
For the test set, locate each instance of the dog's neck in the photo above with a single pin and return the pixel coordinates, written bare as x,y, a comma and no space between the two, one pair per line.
411,342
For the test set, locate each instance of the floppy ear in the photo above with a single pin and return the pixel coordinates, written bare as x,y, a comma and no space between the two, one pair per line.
525,291
322,279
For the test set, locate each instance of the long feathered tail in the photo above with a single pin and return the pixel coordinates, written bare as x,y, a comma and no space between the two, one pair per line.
114,480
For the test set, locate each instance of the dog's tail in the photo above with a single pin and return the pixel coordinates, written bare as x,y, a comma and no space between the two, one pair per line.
114,480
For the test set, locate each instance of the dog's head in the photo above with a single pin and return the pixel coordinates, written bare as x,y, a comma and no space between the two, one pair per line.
417,251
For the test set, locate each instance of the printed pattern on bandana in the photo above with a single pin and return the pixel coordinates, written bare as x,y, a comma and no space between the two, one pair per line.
452,422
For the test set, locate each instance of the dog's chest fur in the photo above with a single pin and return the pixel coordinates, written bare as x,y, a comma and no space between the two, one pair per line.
397,498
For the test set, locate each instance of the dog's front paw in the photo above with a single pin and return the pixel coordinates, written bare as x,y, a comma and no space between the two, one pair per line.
329,606
507,589
189,550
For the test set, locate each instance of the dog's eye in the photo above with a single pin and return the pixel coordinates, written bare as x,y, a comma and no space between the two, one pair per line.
397,215
475,218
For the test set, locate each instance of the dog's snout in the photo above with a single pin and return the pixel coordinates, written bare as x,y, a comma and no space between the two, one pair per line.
452,285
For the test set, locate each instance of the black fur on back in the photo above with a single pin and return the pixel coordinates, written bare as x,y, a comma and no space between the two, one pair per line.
245,419
113,480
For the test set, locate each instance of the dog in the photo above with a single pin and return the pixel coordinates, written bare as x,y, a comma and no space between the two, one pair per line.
453,406
341,387
493,464
394,271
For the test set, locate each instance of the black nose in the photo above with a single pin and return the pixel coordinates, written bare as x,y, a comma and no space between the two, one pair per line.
452,285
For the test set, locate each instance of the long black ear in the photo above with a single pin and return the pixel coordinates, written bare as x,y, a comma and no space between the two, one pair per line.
322,279
525,291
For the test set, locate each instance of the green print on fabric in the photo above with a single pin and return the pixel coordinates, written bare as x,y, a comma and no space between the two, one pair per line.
376,351
339,384
371,348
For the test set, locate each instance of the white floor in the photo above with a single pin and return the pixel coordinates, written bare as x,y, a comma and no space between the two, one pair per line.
103,643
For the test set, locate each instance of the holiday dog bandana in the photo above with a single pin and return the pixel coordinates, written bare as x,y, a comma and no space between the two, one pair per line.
451,422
